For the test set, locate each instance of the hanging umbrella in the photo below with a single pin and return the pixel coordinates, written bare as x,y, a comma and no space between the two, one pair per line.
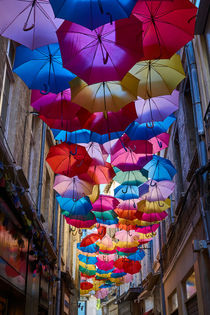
160,142
42,69
93,248
107,251
158,77
160,169
129,250
87,260
110,54
98,174
118,274
112,121
167,26
104,96
86,271
89,239
157,191
126,192
152,217
104,203
138,131
81,221
101,294
72,207
138,255
95,151
126,227
147,229
68,159
107,258
154,206
83,275
126,214
106,266
124,236
130,204
106,243
156,108
134,178
24,22
74,187
128,265
101,230
106,217
127,244
130,161
92,14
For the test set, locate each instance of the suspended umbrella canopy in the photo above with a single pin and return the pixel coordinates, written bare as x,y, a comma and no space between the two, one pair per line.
103,265
158,77
112,121
83,275
96,152
107,258
71,207
101,230
167,26
148,229
104,96
134,178
101,294
126,214
160,142
124,236
151,217
126,192
128,250
98,174
127,227
82,221
156,108
73,187
92,14
127,244
138,131
106,243
104,203
128,265
86,271
107,251
157,191
130,204
42,69
90,239
154,206
68,159
24,22
138,255
93,248
112,49
87,260
160,169
106,217
87,266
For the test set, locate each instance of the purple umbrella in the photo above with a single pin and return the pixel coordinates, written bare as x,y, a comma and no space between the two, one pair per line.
156,108
156,190
104,54
29,22
96,152
73,187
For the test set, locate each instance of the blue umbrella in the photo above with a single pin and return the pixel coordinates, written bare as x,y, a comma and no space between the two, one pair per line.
106,285
126,192
92,13
87,260
137,131
160,169
42,68
71,207
101,272
84,136
118,274
138,255
93,248
107,222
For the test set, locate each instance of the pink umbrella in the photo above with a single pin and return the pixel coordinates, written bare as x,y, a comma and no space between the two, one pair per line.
127,250
147,229
104,265
151,217
105,203
160,142
130,204
157,191
128,278
112,49
96,152
130,161
106,243
109,257
125,236
73,187
101,294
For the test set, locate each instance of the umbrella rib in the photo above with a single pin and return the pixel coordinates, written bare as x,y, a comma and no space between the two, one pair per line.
39,6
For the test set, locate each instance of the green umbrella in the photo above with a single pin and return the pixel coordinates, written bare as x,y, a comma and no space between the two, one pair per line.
135,178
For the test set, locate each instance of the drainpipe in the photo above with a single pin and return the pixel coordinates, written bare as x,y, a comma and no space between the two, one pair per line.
55,220
198,118
58,296
161,274
41,168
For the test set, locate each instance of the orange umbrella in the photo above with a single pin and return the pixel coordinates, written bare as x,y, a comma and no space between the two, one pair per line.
89,239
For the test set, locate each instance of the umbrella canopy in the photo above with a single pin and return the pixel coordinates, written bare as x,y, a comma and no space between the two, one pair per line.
112,122
112,49
156,108
98,174
104,96
104,216
104,265
154,206
138,255
126,214
129,160
93,248
72,207
24,22
126,192
90,239
135,178
108,257
124,236
101,294
92,14
160,169
74,187
128,265
104,203
86,285
87,260
151,217
158,77
157,191
106,243
86,271
95,151
147,229
167,26
160,142
147,131
42,69
82,221
68,159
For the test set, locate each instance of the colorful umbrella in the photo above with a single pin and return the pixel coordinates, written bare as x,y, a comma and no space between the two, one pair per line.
128,265
68,159
86,285
93,248
126,192
124,236
167,26
156,108
104,96
95,151
92,14
112,49
87,260
106,243
130,161
74,187
126,214
109,257
98,174
147,229
158,77
160,142
72,207
154,206
86,271
90,239
138,255
152,217
106,266
101,294
157,191
41,69
135,178
160,169
82,221
106,217
104,203
24,22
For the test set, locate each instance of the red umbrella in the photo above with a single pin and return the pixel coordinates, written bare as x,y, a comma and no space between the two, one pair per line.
98,174
129,266
69,160
86,285
90,239
167,26
86,276
126,214
101,230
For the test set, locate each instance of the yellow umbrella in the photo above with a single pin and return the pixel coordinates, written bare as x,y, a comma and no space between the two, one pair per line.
84,292
104,275
154,206
158,77
95,193
87,266
146,223
127,244
104,96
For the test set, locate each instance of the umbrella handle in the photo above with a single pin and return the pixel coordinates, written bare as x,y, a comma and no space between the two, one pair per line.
100,6
126,190
134,148
26,29
151,184
152,125
105,60
160,143
74,153
159,204
110,17
46,89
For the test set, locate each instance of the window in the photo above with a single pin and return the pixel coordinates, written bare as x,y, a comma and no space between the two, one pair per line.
173,303
190,287
6,83
190,295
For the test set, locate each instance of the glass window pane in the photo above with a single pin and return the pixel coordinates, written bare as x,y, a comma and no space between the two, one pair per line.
190,286
5,100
